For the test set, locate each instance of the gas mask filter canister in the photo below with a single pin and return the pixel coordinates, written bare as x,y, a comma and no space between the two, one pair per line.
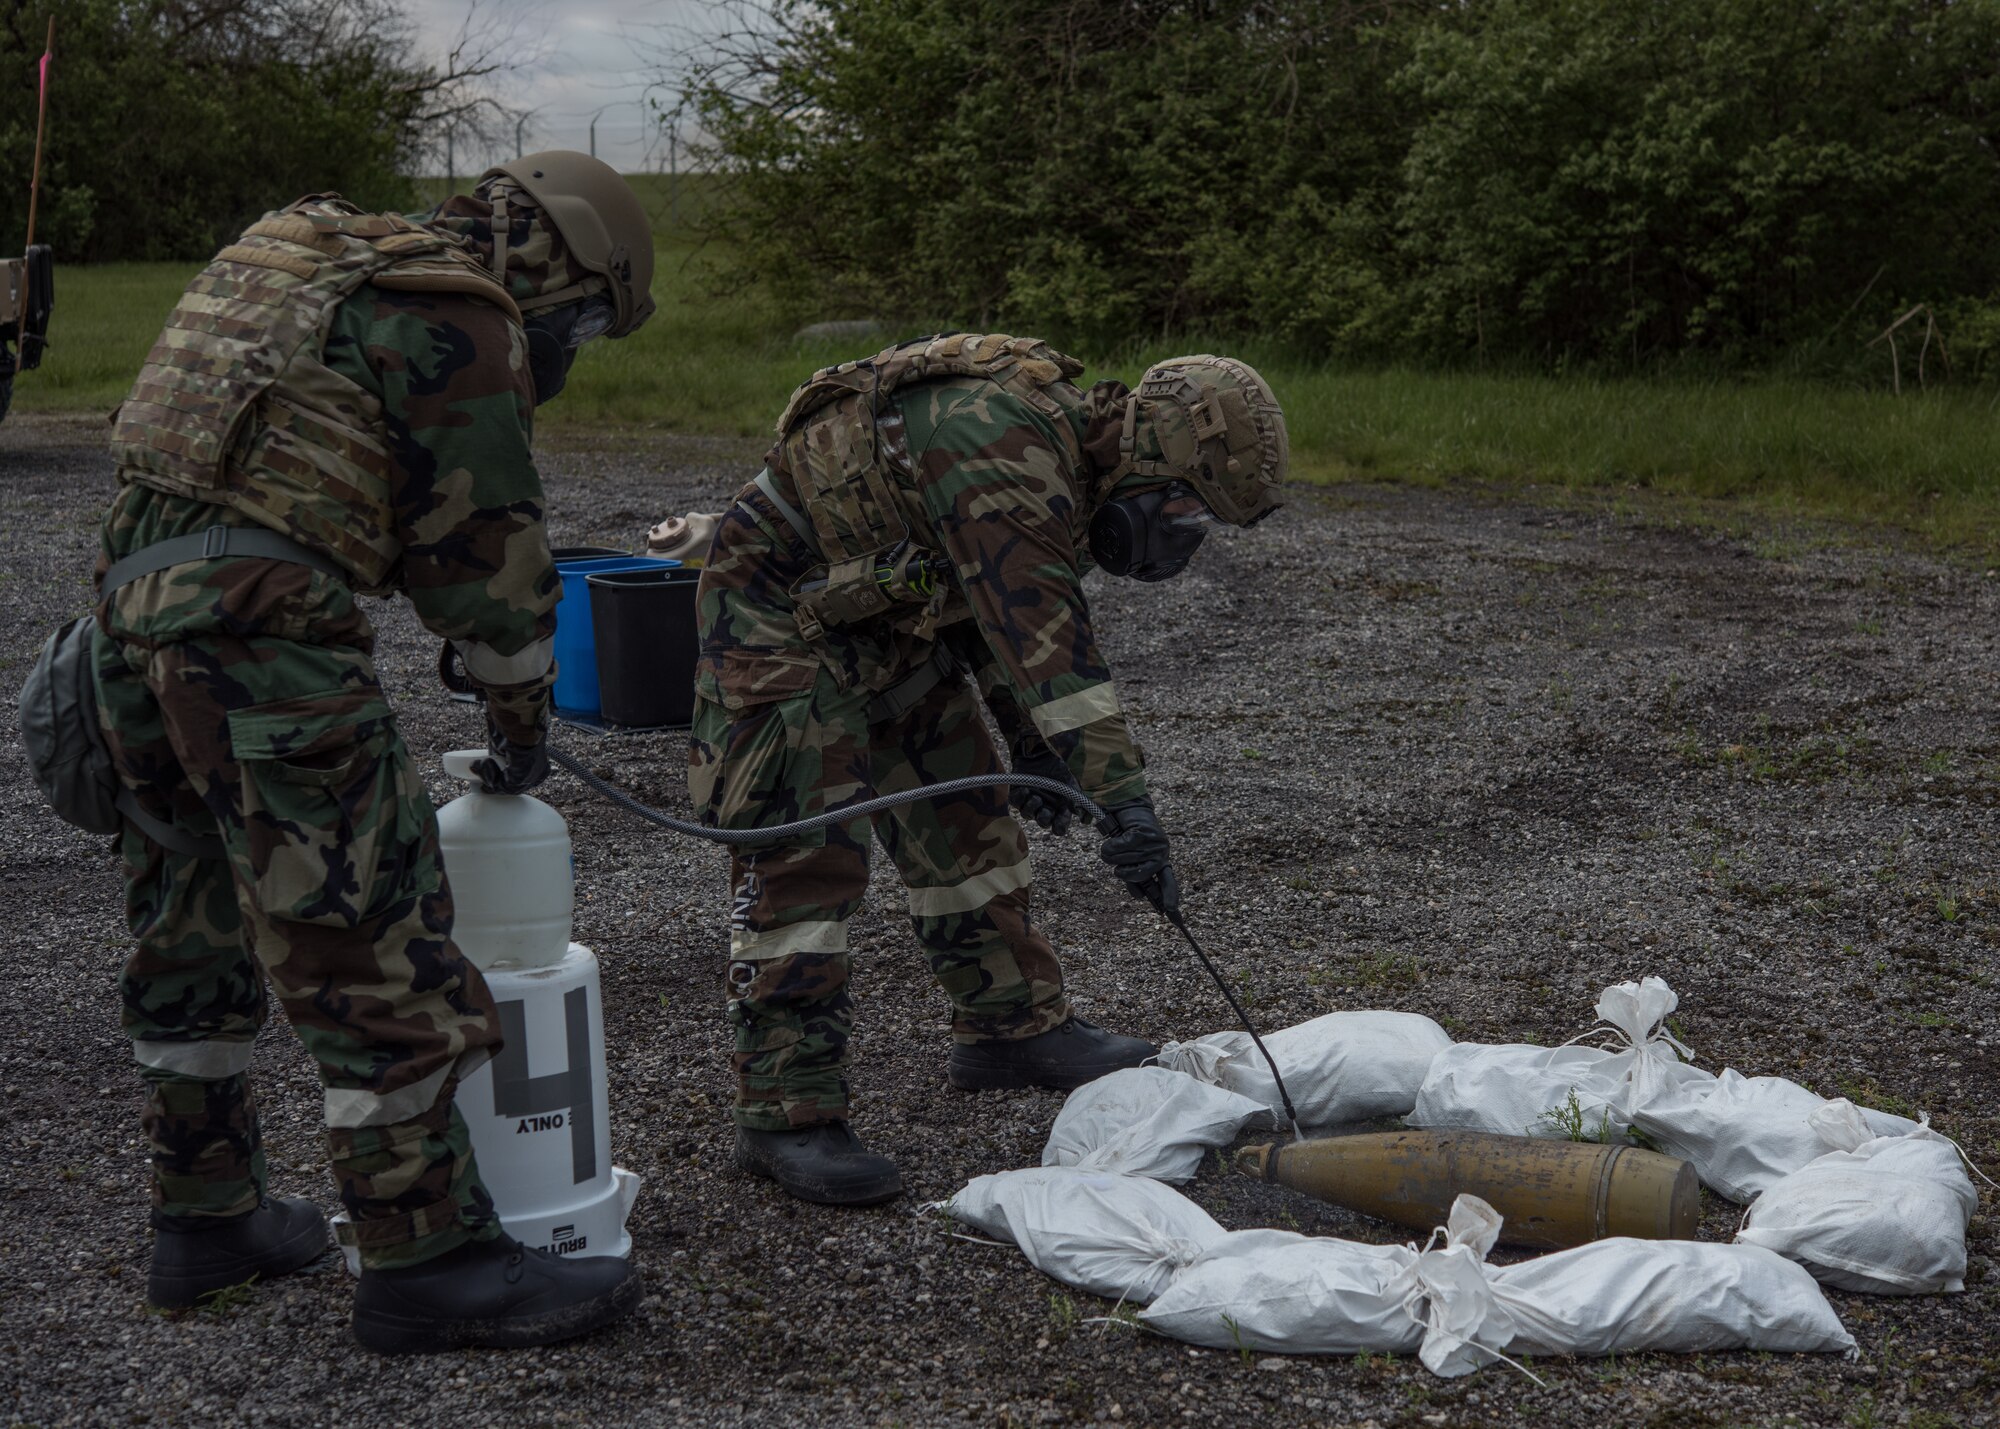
555,335
1149,537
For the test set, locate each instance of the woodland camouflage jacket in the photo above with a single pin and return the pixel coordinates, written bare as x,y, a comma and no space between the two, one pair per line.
1001,486
399,439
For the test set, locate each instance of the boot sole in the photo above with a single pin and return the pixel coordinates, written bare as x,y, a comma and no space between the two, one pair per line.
866,1191
387,1334
167,1290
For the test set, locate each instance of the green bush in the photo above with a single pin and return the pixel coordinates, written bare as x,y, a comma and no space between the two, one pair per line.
1543,181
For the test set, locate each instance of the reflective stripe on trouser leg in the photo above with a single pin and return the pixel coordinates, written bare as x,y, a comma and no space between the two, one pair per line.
787,978
423,1171
787,981
401,1154
965,862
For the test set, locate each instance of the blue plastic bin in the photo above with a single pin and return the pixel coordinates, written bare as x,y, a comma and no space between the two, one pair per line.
576,638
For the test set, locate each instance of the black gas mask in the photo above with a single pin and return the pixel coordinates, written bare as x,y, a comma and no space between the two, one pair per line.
555,334
1150,537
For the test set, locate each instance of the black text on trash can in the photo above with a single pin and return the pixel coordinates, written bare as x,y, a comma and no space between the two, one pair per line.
546,1102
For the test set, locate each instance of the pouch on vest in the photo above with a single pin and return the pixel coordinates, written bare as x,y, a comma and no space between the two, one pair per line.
829,443
846,493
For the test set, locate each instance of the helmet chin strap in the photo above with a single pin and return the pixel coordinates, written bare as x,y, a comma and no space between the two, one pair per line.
501,222
1128,438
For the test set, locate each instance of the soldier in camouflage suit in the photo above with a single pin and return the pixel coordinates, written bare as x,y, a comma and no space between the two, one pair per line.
364,386
928,513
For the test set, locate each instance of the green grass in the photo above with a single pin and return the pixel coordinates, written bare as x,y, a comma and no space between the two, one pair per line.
721,365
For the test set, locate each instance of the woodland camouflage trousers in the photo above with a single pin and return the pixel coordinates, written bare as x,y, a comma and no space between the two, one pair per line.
332,887
781,733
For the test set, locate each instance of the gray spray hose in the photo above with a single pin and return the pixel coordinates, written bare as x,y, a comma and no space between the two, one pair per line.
775,833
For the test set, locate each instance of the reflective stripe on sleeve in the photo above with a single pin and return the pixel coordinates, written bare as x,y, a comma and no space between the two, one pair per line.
975,892
490,667
746,946
209,1060
1086,706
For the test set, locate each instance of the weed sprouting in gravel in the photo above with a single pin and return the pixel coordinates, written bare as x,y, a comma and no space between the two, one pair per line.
1236,1334
1063,1316
1382,969
1122,1316
221,1302
1867,1092
1571,1123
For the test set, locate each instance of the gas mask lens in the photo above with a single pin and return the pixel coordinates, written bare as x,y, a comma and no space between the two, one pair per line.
594,321
1187,512
1149,537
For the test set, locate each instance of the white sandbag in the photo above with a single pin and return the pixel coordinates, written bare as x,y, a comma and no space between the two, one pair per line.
1451,1287
1292,1294
1122,1237
1742,1134
1622,1296
1146,1121
1345,1066
1517,1090
1883,1215
1562,1092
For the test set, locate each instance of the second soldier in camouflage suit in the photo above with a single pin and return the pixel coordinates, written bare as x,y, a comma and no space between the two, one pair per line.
363,386
926,513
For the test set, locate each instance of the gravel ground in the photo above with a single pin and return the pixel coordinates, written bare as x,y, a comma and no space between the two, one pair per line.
1465,756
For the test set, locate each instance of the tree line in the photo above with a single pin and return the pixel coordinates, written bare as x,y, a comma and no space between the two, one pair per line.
174,123
1623,183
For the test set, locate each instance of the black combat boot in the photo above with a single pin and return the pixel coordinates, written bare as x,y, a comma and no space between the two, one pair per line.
1063,1057
825,1163
490,1292
195,1256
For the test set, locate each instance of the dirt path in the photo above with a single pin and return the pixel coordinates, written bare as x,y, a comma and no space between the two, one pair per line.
1475,759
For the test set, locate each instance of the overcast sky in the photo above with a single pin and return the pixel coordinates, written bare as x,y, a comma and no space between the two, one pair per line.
590,66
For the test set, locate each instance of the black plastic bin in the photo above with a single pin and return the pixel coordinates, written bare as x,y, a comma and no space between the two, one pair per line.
644,623
584,553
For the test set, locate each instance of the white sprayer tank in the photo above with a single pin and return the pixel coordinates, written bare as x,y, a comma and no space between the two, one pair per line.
539,1111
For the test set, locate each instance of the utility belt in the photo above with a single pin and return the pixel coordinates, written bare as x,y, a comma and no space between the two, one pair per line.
67,755
848,592
214,544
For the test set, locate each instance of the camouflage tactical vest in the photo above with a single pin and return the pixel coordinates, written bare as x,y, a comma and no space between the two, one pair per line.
235,405
860,495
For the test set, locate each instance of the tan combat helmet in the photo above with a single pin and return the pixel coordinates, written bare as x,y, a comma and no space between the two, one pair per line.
599,218
1213,423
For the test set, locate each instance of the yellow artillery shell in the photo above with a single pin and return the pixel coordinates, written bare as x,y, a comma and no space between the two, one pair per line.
1552,1194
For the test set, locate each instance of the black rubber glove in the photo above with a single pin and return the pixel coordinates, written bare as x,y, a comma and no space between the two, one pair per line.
1136,848
510,768
1032,756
